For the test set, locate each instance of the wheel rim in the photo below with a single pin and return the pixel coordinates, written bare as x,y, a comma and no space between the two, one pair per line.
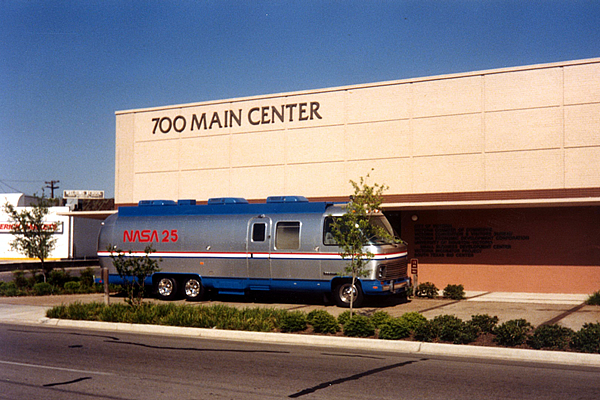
192,288
165,287
346,291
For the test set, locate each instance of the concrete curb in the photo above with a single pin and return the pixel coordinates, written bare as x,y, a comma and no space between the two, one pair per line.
416,348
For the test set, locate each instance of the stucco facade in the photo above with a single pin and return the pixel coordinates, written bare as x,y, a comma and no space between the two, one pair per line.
469,146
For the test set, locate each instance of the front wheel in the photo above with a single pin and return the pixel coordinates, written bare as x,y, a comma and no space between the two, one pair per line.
166,288
343,292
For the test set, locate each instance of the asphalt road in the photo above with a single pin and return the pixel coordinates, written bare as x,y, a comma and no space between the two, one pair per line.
52,363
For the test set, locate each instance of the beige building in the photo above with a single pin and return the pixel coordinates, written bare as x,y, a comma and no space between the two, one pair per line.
494,176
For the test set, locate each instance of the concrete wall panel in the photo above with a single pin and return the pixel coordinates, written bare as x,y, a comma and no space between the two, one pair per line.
376,140
582,83
258,149
382,103
582,167
582,125
521,170
523,89
448,173
455,134
531,129
206,152
447,96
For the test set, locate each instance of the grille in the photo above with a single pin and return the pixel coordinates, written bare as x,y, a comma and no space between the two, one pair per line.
396,269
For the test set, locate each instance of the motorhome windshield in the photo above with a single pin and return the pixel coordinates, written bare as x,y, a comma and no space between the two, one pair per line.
379,221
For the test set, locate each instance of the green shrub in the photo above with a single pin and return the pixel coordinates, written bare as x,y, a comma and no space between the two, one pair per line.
553,337
58,278
484,322
425,332
42,289
512,333
20,281
343,317
72,287
293,321
450,328
427,289
594,299
322,322
587,339
86,278
454,292
359,326
395,329
380,318
413,320
10,289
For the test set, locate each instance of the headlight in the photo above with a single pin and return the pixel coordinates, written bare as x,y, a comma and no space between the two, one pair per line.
381,272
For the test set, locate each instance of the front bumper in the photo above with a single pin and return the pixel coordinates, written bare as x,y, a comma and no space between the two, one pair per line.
373,287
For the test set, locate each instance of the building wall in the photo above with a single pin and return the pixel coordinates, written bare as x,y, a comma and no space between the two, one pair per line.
507,150
480,131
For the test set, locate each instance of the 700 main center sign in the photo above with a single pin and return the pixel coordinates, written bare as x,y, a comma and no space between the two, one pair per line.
229,118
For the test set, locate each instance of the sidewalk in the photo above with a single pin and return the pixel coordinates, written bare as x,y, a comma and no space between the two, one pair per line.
566,310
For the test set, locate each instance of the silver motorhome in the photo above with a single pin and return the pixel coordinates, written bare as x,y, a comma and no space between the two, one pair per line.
231,246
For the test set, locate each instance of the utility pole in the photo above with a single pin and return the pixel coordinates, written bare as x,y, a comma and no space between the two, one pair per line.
52,185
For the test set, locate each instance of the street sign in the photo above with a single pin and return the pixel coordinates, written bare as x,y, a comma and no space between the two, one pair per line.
414,266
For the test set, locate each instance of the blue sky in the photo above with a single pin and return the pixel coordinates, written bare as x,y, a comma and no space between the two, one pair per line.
67,66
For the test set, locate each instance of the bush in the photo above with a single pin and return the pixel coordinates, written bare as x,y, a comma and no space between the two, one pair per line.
554,337
322,322
293,321
594,299
343,318
20,281
86,278
587,339
42,289
450,328
72,287
454,292
359,326
380,318
10,289
484,322
413,320
512,333
58,278
395,329
425,332
427,289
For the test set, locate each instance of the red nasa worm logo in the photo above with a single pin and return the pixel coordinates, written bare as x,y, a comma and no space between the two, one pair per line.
150,235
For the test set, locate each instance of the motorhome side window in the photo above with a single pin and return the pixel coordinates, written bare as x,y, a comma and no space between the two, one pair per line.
259,232
287,235
328,238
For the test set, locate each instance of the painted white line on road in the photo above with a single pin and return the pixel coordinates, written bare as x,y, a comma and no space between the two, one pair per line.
55,368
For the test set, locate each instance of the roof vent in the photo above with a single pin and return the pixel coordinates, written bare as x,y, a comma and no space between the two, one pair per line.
287,199
186,202
227,200
148,203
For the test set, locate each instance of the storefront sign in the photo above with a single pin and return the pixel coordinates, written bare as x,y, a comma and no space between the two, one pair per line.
263,115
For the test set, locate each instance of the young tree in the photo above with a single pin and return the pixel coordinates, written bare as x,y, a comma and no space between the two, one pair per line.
353,230
134,271
34,235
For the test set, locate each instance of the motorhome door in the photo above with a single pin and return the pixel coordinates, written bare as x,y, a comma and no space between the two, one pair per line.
259,248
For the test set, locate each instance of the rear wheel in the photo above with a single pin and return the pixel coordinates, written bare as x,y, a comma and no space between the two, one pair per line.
166,288
193,289
342,294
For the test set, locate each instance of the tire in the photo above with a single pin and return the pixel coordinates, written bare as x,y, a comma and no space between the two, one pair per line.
166,288
193,289
341,295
